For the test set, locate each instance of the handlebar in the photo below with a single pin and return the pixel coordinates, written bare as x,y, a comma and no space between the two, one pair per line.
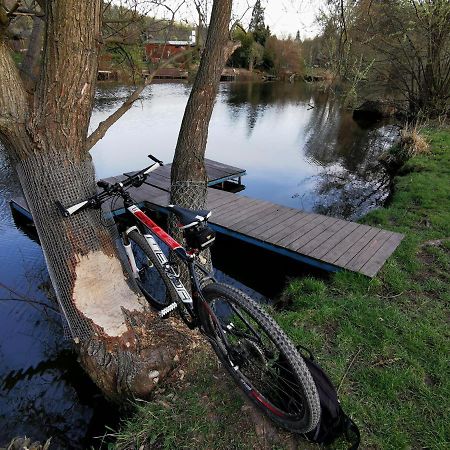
109,190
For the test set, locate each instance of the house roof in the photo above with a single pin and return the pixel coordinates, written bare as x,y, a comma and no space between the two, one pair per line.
162,42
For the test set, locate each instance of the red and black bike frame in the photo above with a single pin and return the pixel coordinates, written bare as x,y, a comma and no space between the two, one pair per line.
190,304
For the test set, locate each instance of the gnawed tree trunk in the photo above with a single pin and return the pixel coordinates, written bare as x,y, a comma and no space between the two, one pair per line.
121,346
189,178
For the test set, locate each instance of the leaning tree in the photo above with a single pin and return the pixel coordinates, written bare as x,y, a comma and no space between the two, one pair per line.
188,174
45,130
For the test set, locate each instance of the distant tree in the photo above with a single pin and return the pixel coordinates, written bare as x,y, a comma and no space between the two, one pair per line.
283,56
312,52
297,36
257,24
242,56
256,56
397,45
412,42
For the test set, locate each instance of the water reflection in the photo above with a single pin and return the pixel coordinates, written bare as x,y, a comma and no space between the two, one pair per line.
352,181
295,142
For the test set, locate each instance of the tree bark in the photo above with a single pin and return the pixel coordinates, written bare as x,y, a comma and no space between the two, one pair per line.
121,346
188,174
13,104
30,65
188,163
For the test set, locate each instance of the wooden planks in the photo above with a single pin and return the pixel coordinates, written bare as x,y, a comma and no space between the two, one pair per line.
217,173
322,241
343,244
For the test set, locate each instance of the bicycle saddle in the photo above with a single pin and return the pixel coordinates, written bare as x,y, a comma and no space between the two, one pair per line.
189,217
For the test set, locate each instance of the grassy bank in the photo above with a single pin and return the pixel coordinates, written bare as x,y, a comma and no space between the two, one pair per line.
384,342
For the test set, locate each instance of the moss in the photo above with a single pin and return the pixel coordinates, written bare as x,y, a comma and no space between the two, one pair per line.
18,57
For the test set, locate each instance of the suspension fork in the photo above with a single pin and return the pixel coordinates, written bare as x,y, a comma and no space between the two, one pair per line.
129,252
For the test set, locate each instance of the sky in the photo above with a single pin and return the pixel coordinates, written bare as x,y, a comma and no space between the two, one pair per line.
284,17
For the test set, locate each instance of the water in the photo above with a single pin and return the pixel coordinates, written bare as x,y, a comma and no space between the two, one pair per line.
299,146
300,149
43,391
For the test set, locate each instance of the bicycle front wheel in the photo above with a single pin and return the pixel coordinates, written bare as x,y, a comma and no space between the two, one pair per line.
260,358
153,281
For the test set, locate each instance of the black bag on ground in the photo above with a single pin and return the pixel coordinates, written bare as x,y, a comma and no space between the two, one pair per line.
333,422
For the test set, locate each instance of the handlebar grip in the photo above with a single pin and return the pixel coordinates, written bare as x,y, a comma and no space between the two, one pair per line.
156,160
62,210
103,184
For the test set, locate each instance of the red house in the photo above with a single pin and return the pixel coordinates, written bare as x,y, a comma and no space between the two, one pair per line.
156,50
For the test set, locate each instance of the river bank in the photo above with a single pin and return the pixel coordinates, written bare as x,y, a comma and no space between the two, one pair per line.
384,342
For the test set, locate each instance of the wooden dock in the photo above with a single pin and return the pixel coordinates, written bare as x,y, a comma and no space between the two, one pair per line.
321,241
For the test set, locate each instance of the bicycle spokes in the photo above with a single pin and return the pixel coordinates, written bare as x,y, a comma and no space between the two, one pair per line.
254,354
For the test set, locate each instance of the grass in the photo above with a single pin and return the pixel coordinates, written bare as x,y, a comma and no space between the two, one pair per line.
202,411
383,341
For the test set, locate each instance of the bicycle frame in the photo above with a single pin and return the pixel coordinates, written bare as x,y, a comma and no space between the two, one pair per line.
184,299
190,303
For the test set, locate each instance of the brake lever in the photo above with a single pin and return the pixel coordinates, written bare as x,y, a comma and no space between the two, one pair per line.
92,203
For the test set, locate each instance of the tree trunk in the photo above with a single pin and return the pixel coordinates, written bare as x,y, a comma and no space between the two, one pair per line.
188,175
121,346
30,65
188,163
189,178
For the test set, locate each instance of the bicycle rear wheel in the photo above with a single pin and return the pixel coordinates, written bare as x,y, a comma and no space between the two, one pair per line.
153,281
260,358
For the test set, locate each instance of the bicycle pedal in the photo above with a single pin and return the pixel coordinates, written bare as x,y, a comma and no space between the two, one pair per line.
167,310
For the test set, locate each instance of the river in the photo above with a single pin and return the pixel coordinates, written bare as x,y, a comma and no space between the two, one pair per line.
300,148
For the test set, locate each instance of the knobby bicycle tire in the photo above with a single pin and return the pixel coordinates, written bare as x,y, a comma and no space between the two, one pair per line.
290,397
153,281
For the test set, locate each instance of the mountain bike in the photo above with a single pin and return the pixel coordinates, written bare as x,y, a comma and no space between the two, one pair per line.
249,343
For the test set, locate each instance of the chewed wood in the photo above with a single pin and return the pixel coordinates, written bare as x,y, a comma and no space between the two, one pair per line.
326,242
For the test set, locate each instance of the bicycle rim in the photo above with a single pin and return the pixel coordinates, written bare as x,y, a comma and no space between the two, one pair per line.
150,280
259,357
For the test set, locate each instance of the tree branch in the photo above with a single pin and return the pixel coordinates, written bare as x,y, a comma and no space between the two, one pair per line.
230,48
104,126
